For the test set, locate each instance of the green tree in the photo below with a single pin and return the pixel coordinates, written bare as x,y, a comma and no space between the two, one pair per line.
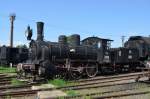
22,46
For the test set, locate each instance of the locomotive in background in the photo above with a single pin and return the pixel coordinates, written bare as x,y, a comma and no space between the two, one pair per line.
12,55
70,56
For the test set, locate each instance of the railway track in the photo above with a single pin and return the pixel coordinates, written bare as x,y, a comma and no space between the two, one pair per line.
19,87
6,76
5,82
62,88
78,84
112,77
98,82
77,87
121,95
5,79
99,96
31,92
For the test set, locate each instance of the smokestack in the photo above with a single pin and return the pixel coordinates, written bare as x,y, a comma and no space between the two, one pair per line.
12,18
40,34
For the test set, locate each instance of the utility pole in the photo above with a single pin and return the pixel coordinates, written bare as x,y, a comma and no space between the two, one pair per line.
122,38
12,18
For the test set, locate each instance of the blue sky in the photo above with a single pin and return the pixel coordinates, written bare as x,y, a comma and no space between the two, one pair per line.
102,18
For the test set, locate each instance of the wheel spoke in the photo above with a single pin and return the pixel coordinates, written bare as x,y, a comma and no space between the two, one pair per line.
76,73
91,70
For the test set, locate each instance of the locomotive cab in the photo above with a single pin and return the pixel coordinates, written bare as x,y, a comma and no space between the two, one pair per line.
102,46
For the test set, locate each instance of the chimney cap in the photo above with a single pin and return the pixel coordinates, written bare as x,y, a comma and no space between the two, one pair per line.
40,22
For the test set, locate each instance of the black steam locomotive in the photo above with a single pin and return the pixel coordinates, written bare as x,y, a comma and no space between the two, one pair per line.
12,55
70,56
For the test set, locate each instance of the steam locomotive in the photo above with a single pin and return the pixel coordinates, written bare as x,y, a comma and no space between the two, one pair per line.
12,55
92,55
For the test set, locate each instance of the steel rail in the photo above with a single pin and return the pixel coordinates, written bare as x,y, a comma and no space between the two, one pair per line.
111,77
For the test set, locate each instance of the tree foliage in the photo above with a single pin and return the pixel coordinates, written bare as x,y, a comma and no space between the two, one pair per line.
22,46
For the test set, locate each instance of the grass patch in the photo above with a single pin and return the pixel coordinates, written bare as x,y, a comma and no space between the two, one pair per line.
61,82
58,82
7,69
7,97
87,97
16,82
71,93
